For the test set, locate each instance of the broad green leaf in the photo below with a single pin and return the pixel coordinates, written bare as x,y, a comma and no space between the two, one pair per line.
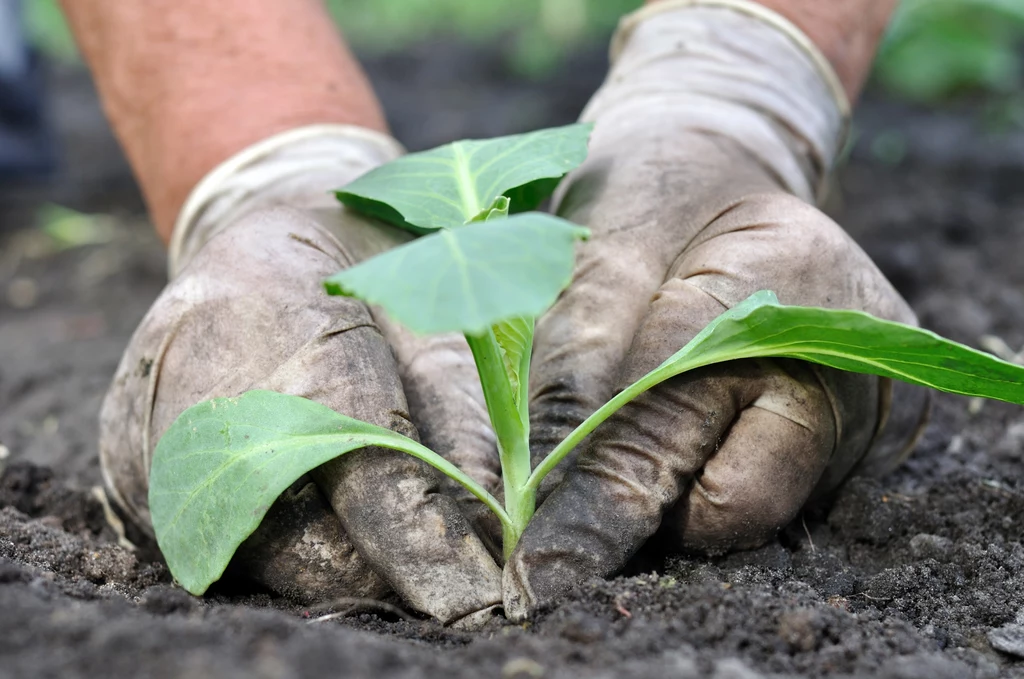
938,48
515,339
470,278
760,327
452,184
848,340
223,462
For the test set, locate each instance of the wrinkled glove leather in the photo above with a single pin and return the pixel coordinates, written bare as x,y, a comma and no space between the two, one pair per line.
713,131
245,310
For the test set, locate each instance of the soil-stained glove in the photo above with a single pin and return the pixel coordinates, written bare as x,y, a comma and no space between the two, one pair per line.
714,130
246,309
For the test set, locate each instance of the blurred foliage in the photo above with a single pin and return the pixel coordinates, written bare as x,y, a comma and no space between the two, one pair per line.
935,49
47,29
538,32
535,33
70,229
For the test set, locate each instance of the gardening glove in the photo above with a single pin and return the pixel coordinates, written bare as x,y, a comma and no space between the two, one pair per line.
246,309
714,132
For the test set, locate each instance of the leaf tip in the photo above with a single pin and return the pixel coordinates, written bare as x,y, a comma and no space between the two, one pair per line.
335,287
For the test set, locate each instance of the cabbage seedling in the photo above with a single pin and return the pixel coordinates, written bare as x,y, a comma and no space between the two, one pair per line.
486,265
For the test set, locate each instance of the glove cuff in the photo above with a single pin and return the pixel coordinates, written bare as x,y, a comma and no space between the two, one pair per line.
752,9
298,168
737,69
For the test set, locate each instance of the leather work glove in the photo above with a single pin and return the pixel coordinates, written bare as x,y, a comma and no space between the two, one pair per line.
713,133
246,309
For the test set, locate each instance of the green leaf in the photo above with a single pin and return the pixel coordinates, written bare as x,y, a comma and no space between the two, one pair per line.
470,278
498,210
452,184
760,327
848,340
223,462
935,49
515,339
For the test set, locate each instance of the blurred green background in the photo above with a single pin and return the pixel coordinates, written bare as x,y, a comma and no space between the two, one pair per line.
936,50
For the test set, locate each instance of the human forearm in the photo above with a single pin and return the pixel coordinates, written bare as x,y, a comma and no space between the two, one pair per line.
188,83
846,31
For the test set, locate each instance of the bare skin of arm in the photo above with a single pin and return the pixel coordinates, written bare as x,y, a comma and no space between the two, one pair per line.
846,31
188,83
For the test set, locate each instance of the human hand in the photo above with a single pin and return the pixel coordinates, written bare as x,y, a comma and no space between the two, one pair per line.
713,131
246,309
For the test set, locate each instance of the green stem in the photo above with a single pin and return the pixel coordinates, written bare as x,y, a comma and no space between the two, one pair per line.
651,379
524,380
512,433
519,512
421,452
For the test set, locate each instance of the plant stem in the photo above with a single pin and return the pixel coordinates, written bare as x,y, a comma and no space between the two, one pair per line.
512,433
651,379
524,380
421,452
600,415
519,514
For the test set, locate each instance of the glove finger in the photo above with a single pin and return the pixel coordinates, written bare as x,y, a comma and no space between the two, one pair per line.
389,504
811,261
300,551
580,342
642,208
442,388
446,403
221,334
765,468
637,465
248,312
769,464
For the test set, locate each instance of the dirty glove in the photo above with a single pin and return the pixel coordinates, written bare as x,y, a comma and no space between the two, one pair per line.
246,309
714,131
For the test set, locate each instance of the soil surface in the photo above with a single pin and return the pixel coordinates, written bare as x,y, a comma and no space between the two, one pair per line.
918,575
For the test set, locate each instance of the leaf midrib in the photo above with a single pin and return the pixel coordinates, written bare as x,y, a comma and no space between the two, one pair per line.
465,182
304,440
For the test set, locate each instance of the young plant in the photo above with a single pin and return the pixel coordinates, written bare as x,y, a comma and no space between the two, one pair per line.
487,267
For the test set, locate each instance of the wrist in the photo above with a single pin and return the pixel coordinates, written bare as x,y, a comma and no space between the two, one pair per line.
188,83
298,168
847,33
727,69
217,128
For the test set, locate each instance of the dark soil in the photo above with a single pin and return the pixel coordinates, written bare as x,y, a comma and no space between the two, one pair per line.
919,575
